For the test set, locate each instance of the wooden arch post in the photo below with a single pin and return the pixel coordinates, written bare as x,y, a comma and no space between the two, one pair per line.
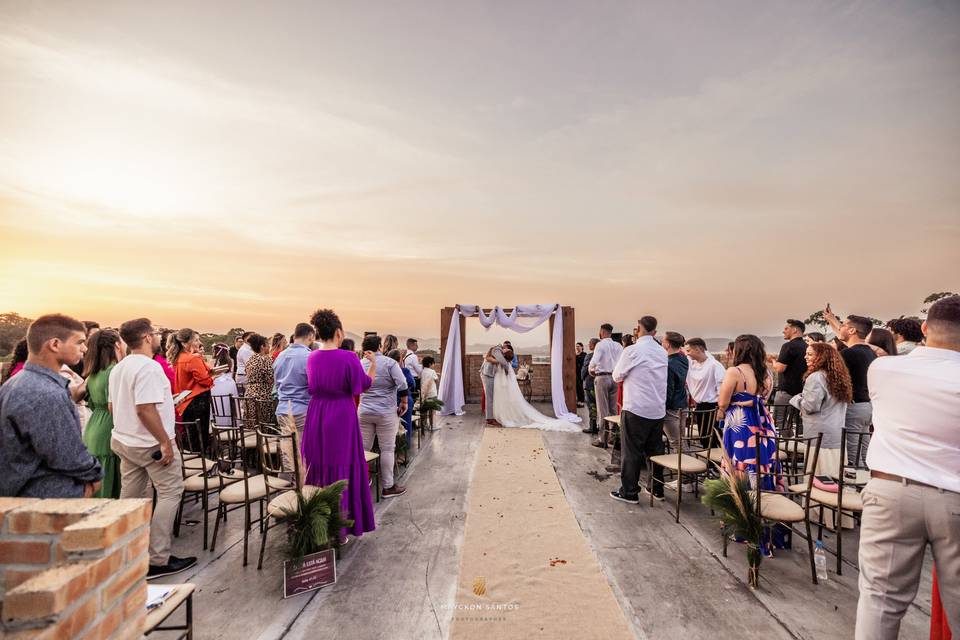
569,363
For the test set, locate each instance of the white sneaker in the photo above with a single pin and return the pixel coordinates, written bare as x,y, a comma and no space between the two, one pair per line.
687,486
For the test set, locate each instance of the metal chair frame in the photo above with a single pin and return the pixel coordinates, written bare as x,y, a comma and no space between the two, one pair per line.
842,481
691,443
790,470
270,445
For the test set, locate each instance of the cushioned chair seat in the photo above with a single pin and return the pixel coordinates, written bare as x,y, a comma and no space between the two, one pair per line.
689,464
258,489
195,482
197,463
780,508
613,419
714,455
249,440
851,499
286,502
801,447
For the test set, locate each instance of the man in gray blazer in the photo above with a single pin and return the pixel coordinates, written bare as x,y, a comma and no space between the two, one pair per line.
488,370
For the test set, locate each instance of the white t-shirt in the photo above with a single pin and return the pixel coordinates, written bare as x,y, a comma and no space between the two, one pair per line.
223,385
703,380
428,383
135,380
243,354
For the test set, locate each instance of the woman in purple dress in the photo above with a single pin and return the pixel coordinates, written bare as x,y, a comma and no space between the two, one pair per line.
332,444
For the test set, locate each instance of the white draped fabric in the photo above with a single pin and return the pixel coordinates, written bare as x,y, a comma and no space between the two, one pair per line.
524,318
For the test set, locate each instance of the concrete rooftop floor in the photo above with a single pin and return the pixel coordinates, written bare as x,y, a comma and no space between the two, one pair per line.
400,581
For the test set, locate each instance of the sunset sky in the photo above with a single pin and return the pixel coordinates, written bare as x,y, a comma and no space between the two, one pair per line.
720,165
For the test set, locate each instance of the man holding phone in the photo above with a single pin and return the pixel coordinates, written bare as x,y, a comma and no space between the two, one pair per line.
143,439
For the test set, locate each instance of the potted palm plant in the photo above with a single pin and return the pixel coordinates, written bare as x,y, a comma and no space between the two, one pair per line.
732,497
314,525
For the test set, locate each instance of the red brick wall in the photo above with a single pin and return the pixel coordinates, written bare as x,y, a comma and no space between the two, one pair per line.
539,376
73,568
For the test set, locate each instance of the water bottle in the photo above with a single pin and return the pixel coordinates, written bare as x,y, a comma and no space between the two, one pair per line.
820,560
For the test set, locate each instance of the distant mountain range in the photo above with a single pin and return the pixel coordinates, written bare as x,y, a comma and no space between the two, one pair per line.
715,345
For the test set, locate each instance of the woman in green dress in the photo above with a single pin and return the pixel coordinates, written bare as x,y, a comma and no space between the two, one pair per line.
104,350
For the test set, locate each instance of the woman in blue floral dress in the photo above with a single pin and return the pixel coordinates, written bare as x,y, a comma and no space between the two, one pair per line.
745,415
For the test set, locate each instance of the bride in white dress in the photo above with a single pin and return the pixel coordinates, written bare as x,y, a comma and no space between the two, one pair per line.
512,410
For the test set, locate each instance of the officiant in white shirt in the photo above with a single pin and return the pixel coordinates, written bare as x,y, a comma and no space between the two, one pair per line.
605,357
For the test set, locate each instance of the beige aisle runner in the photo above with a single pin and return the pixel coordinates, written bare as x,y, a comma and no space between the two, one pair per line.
525,568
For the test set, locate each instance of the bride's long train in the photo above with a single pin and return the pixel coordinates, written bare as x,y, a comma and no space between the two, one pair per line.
512,410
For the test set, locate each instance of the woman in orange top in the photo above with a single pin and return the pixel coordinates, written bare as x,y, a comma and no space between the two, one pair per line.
191,374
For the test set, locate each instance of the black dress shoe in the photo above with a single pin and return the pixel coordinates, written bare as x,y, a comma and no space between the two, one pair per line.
174,565
590,430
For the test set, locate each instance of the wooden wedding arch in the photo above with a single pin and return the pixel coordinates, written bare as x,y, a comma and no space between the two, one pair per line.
569,363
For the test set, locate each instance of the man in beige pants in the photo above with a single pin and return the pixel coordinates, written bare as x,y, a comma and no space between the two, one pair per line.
143,439
293,395
604,359
913,497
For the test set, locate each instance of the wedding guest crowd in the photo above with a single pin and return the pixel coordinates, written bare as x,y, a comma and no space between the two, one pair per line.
900,382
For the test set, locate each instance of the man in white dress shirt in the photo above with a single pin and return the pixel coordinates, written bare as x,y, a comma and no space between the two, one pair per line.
411,360
642,367
913,497
605,357
703,381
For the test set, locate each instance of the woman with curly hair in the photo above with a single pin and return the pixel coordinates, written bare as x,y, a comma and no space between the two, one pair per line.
907,334
827,391
332,443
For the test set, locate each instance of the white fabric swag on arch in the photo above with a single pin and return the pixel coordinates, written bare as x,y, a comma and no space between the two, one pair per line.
524,318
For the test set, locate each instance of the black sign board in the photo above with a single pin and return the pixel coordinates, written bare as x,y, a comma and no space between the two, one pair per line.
318,570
